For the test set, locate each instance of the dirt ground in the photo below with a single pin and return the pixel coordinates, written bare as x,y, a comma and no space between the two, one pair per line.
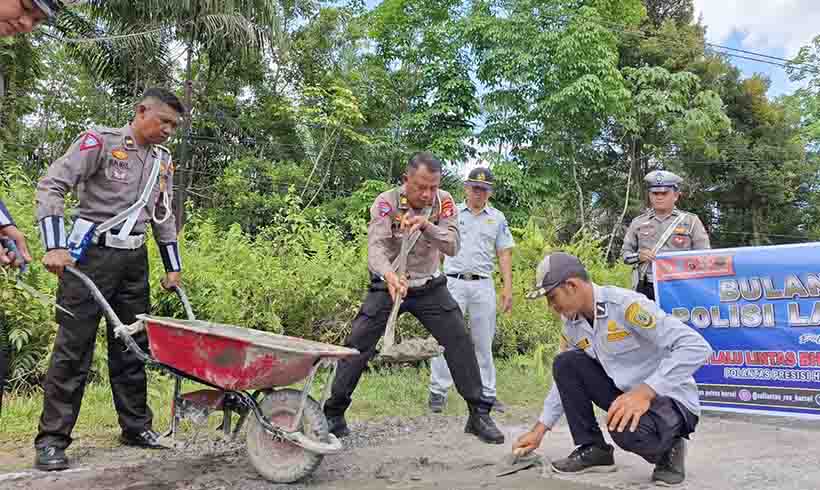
728,452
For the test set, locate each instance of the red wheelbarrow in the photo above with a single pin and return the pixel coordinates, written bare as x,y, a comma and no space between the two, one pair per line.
287,436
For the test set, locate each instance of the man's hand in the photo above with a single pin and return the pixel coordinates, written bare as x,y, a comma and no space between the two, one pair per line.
18,16
55,261
628,408
646,255
529,441
23,256
506,300
171,280
414,223
4,259
396,285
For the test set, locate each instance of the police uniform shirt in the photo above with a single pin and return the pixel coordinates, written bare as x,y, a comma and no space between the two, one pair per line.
5,216
645,231
635,342
109,171
384,234
482,237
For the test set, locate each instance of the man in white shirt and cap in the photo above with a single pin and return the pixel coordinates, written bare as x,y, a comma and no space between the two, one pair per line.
621,353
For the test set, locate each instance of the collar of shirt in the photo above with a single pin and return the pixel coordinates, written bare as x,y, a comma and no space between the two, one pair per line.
675,212
465,207
599,296
128,132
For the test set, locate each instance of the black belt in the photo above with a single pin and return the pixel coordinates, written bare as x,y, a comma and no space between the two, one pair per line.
379,284
468,276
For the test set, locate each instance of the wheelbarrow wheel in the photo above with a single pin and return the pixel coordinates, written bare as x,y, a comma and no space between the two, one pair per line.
279,460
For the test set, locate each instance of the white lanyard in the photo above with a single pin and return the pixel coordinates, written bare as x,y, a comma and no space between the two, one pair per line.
131,214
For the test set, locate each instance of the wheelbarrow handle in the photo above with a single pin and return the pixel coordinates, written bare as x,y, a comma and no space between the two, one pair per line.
98,297
183,297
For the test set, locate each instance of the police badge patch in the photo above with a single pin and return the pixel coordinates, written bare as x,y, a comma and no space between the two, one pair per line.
89,142
448,208
384,208
639,317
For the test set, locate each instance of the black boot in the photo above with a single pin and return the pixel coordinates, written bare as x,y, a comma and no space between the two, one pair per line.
50,458
337,425
146,439
437,402
481,424
670,469
587,458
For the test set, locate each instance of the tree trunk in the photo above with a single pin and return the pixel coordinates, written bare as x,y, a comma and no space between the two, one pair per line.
183,180
638,171
581,212
620,221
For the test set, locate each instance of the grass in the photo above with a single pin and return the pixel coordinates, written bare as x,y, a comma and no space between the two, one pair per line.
385,392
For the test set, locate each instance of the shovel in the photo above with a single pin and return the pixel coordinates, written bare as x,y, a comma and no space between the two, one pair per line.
413,349
513,463
42,298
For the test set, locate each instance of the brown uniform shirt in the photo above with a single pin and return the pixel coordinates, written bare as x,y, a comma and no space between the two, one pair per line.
384,235
645,231
109,172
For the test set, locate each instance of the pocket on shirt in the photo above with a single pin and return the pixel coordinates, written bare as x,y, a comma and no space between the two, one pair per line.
119,171
487,236
621,342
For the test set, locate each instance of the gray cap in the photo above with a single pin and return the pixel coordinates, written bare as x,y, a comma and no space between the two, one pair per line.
553,271
662,180
481,177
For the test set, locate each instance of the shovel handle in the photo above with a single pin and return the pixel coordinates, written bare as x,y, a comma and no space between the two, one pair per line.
11,246
183,297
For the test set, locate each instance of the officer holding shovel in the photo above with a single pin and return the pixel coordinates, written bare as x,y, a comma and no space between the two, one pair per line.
9,231
418,205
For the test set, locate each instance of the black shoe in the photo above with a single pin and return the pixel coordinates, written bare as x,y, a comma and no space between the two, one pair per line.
670,469
147,439
437,402
337,425
50,458
481,424
586,459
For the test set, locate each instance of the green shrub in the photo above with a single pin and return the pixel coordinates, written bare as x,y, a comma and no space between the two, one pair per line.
302,274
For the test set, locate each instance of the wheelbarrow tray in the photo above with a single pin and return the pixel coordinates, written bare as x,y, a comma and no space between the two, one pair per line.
235,358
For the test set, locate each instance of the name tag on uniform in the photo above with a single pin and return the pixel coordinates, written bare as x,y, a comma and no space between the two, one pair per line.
614,333
118,170
583,343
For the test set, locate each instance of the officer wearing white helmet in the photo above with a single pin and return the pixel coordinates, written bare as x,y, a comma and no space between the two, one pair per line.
623,354
664,228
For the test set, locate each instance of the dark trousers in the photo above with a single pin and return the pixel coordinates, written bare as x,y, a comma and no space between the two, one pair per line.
5,359
122,277
646,288
436,309
582,382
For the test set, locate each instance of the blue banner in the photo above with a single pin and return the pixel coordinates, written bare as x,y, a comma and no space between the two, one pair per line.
759,308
